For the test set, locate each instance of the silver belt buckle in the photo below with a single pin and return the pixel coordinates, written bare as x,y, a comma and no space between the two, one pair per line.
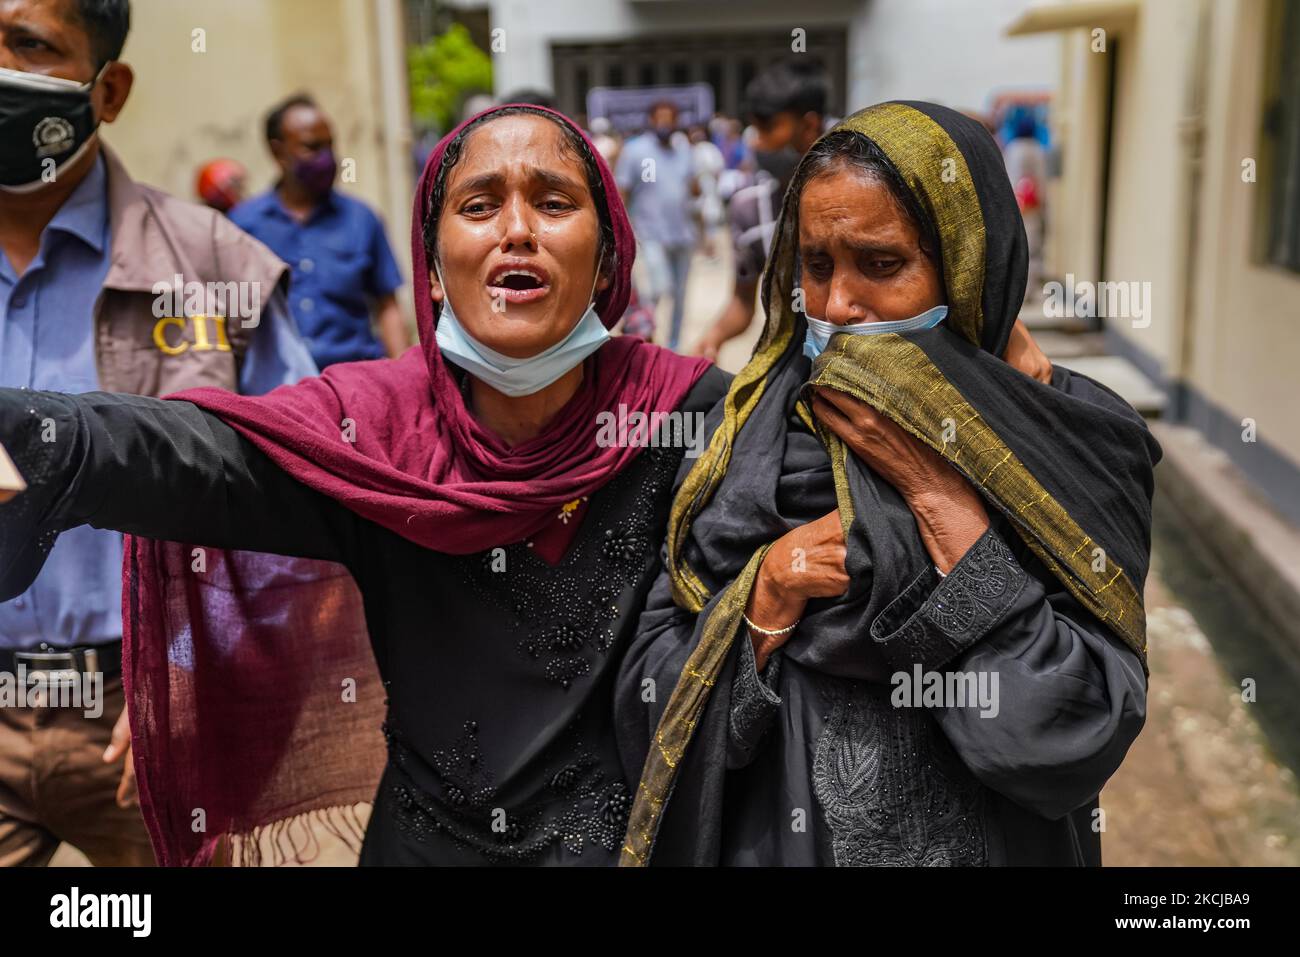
45,666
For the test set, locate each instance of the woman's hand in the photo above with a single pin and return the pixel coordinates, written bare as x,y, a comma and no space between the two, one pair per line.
11,482
708,346
806,562
1024,355
119,746
949,512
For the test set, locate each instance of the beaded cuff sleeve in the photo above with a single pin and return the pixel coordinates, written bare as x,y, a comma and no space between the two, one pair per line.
931,623
754,703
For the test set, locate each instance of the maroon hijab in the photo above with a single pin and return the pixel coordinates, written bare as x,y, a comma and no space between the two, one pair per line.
254,701
420,464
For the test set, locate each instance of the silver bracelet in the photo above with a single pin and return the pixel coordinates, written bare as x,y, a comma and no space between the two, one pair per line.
771,634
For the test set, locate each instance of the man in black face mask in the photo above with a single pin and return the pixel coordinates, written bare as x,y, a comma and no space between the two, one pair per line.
103,286
786,103
343,268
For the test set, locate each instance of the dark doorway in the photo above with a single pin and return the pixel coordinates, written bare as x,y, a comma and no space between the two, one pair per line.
725,61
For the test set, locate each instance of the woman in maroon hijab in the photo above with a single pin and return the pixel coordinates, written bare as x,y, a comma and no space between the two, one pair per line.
463,517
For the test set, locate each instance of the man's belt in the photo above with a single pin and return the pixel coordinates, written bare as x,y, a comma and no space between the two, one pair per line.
82,659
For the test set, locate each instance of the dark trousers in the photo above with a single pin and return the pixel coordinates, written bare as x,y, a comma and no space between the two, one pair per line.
55,786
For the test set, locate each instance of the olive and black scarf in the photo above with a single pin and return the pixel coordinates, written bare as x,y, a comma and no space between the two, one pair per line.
1068,466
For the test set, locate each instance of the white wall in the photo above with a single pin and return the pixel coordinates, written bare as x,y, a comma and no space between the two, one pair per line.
188,107
948,51
951,51
1147,207
1244,313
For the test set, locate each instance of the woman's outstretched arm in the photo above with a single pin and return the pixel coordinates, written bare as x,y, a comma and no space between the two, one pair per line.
150,467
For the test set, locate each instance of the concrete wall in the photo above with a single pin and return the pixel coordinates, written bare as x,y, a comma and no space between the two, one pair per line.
531,27
1189,108
1245,334
1077,199
1146,208
1228,331
946,50
189,107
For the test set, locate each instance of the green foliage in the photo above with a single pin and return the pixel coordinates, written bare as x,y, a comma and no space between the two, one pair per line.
443,72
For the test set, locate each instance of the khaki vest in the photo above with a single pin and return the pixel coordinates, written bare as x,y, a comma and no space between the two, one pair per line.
184,293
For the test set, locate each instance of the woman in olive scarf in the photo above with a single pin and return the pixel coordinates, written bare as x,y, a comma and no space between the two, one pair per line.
901,618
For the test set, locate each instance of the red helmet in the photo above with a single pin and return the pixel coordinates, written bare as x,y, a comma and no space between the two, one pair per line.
221,183
1027,194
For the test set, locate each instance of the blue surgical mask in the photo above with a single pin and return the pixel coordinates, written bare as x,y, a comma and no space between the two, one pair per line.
516,377
820,331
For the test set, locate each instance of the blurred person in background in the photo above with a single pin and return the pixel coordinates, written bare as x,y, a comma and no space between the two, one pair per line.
474,104
727,134
606,139
335,246
787,104
638,318
1026,161
656,175
530,96
82,251
709,166
220,184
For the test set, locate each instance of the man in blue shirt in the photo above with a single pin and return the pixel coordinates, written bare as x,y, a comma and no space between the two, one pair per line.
342,265
656,175
81,247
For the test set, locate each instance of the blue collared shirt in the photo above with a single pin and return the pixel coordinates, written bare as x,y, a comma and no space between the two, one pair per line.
341,263
47,342
659,204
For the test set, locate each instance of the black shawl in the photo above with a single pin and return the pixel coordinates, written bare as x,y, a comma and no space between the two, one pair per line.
1067,466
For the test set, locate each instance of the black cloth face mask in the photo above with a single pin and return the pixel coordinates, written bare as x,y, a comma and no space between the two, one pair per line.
778,164
42,118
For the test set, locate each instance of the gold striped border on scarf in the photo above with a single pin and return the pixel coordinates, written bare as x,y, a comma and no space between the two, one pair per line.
682,714
896,377
935,170
689,591
747,389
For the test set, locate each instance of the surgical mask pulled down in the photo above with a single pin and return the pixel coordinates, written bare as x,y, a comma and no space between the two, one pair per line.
518,377
820,332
